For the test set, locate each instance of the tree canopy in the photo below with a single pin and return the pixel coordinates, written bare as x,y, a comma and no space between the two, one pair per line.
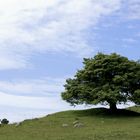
105,79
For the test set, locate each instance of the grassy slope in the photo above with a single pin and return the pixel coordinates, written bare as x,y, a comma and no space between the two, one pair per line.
99,124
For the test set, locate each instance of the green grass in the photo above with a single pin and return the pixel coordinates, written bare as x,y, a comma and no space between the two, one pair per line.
98,124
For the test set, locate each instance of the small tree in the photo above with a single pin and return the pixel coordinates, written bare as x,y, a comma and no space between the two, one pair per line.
4,121
106,79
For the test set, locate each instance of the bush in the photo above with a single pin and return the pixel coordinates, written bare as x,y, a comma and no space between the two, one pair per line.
4,121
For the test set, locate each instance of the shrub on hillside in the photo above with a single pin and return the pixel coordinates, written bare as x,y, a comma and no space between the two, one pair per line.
4,121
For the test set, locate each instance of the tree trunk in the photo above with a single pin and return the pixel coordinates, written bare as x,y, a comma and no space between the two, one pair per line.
113,107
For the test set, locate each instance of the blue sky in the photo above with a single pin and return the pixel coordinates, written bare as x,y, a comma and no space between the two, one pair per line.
43,42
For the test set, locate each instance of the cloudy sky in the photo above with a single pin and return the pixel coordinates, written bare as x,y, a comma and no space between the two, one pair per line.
43,42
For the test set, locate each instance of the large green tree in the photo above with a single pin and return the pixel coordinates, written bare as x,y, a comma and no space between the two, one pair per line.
106,79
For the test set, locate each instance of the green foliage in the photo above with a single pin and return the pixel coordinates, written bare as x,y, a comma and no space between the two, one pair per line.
106,79
4,121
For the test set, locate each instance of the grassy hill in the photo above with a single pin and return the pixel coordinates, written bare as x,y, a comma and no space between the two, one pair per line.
92,124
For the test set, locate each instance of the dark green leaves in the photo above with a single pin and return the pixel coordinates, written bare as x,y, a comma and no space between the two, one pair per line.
104,78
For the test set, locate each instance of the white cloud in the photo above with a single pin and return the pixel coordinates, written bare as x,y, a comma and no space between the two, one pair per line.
47,87
130,10
22,107
133,9
42,95
129,40
28,26
20,114
21,101
31,98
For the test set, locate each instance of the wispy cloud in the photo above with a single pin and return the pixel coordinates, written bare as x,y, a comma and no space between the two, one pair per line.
133,9
32,26
29,27
22,101
129,40
38,104
46,87
129,10
30,98
43,94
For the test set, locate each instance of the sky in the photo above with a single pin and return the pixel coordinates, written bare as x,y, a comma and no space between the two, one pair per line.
43,42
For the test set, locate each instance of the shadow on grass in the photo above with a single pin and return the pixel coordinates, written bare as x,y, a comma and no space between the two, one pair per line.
99,112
